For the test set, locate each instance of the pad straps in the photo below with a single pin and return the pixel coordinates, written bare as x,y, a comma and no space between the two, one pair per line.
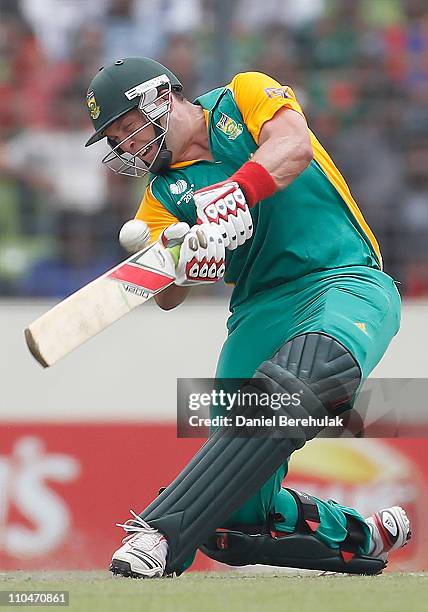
309,518
309,521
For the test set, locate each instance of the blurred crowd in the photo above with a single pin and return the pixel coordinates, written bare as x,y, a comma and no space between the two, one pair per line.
358,67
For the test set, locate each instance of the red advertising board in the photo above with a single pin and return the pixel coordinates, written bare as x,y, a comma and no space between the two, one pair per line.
64,486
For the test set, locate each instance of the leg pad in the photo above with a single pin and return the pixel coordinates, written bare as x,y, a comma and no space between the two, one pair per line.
294,550
228,470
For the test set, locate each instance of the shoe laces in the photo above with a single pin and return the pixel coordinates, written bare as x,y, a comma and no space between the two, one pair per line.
135,525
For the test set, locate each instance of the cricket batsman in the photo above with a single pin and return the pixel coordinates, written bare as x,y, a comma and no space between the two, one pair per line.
241,183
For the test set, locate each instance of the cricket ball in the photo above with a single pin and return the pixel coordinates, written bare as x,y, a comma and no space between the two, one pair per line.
134,235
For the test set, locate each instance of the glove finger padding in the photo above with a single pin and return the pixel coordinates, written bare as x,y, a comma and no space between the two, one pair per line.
248,223
243,216
239,227
219,256
228,231
174,234
224,205
199,268
201,256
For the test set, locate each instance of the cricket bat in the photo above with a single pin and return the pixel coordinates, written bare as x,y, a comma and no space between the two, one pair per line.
100,303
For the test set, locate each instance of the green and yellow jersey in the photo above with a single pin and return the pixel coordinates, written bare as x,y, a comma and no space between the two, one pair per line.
313,224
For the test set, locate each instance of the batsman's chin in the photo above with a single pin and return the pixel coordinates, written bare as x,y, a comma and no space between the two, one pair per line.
148,155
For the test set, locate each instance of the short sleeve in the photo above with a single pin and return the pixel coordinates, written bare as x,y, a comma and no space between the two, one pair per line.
259,97
152,212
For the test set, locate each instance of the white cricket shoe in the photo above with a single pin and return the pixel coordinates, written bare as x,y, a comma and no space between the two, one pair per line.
390,530
144,551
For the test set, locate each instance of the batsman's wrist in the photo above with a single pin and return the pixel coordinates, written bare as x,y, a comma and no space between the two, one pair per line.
255,181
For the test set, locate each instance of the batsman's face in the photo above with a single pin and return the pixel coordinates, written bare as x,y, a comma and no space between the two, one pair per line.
137,137
133,133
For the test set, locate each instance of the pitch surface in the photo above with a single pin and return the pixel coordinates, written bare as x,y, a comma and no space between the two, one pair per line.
230,592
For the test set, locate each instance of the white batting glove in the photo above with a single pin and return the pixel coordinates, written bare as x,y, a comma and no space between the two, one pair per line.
202,253
224,205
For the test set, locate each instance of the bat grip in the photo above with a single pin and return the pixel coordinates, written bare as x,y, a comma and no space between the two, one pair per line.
175,253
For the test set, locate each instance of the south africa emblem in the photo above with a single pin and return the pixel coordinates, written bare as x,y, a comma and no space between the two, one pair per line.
94,109
229,126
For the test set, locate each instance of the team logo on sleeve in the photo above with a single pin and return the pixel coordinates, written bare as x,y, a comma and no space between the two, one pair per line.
178,187
94,109
229,126
277,92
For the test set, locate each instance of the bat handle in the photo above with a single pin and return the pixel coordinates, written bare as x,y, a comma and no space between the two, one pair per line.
175,253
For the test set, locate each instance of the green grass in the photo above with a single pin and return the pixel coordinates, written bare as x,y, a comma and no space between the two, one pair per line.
230,592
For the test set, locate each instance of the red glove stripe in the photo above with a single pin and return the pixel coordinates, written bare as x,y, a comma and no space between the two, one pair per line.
200,264
255,181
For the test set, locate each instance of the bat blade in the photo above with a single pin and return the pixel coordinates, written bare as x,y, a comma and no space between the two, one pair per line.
100,303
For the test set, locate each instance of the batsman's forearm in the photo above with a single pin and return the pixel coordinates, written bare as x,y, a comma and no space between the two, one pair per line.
285,147
284,158
172,297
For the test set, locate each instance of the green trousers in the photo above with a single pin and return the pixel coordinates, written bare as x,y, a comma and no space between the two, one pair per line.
360,307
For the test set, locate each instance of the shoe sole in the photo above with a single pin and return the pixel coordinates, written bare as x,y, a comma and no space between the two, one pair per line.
123,568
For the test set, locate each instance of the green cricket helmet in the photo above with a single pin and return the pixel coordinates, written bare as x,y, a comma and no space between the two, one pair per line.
133,83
